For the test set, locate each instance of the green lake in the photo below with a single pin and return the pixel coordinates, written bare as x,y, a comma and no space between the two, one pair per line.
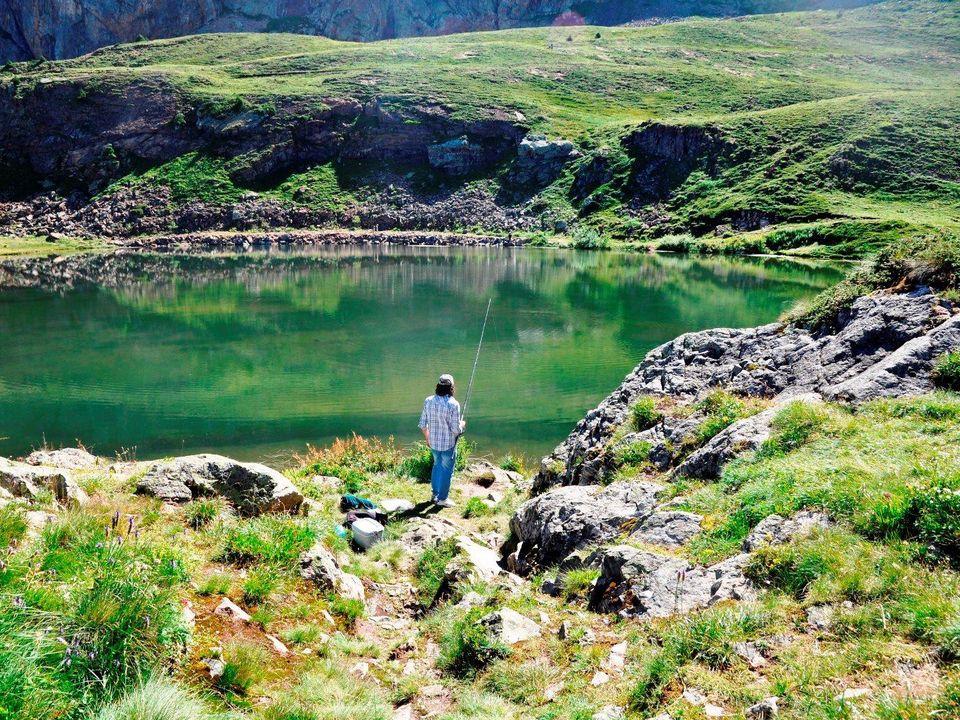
327,342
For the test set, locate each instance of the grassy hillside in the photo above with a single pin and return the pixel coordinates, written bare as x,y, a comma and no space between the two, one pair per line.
93,627
817,118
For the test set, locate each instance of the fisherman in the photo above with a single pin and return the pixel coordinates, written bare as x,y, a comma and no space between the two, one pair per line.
442,426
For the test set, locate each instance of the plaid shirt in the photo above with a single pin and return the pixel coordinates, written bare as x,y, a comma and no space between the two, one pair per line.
441,414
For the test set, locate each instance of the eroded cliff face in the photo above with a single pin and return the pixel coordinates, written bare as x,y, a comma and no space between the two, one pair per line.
57,29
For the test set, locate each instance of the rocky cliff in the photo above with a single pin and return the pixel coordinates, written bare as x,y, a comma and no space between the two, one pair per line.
59,29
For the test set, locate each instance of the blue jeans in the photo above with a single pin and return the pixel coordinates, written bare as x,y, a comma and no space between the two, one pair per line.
443,462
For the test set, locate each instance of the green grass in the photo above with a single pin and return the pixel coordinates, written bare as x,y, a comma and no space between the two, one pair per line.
158,699
33,246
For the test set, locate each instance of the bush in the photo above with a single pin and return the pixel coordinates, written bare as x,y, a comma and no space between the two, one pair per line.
946,371
157,699
934,517
363,455
244,666
276,539
259,585
722,409
429,572
201,512
466,647
349,610
476,507
217,583
636,453
512,463
644,414
586,238
578,581
794,426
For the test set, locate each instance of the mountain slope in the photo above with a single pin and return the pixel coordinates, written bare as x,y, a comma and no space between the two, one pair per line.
56,30
800,123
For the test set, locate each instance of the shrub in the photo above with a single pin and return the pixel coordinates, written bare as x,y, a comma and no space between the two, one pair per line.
722,410
934,517
586,238
349,610
578,581
467,647
512,463
201,512
259,585
302,634
274,539
157,699
644,414
217,583
523,684
476,507
244,666
366,455
636,453
794,426
946,371
432,563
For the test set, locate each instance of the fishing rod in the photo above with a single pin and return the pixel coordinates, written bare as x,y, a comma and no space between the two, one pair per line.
476,360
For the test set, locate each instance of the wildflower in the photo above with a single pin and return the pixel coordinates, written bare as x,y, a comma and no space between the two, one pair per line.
116,520
129,524
18,602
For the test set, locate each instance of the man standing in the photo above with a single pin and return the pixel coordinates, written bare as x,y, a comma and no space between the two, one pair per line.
441,426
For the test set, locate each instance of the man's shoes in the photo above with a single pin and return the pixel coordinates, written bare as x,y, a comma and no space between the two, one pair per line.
434,500
445,503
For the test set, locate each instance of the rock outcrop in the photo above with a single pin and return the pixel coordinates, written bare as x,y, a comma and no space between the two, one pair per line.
320,567
21,480
251,488
548,528
66,458
884,346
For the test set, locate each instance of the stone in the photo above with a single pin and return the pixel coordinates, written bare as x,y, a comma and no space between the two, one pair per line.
820,617
609,712
510,627
229,609
458,156
763,710
552,691
882,345
214,667
740,437
187,613
66,458
669,529
422,533
642,584
251,488
320,567
617,659
470,600
404,712
392,505
539,160
777,530
37,520
29,481
557,523
600,678
749,652
278,647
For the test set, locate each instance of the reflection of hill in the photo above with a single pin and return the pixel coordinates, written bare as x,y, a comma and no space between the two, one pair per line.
313,346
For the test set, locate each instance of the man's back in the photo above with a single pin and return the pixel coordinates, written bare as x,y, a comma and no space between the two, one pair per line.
441,414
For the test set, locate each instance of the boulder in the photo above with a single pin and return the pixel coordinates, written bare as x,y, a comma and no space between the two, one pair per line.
28,481
763,710
251,488
641,584
670,529
482,479
229,609
66,458
539,161
551,526
422,533
777,530
510,627
458,156
320,567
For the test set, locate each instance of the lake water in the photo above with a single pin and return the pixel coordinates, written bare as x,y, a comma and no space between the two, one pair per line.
256,365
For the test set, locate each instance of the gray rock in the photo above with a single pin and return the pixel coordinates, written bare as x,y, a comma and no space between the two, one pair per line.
777,530
251,488
642,584
29,482
820,617
749,652
763,710
320,567
671,529
740,437
559,522
510,627
457,156
422,533
67,458
539,161
884,345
